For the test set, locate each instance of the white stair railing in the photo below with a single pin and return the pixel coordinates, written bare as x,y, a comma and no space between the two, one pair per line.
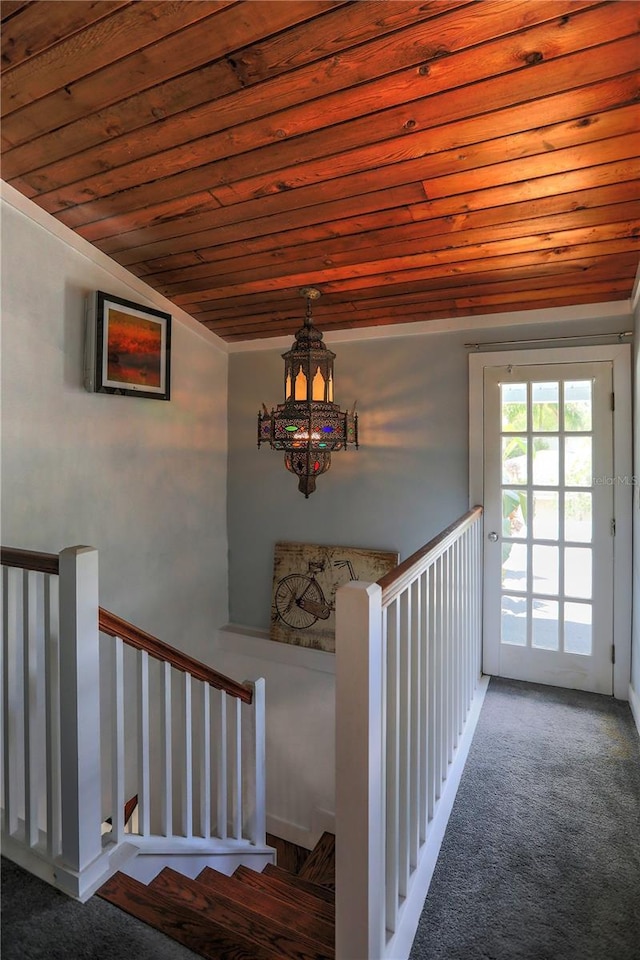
408,691
94,712
196,762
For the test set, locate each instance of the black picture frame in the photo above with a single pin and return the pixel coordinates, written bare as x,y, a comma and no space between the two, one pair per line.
132,349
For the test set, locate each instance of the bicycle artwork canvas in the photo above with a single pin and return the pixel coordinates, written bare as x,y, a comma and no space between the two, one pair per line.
305,579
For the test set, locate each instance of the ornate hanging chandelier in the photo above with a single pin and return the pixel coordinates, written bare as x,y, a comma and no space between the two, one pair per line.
308,426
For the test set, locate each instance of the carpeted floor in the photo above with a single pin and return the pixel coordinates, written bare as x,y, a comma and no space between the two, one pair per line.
40,923
541,858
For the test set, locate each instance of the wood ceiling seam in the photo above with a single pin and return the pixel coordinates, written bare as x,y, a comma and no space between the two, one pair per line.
449,204
244,50
510,213
110,82
356,251
211,112
127,29
363,271
140,173
32,34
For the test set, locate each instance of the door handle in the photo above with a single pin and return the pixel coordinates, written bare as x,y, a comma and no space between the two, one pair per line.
493,537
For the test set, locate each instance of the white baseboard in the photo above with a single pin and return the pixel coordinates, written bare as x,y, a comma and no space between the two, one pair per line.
634,703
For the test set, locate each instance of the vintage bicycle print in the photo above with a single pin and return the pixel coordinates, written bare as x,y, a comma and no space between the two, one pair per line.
305,579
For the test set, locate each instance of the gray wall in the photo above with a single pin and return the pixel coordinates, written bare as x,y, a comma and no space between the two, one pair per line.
408,480
142,480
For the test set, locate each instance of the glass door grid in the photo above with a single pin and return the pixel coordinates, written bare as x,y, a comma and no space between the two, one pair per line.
547,515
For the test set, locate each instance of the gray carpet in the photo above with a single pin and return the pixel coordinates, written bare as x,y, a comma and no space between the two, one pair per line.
40,923
541,858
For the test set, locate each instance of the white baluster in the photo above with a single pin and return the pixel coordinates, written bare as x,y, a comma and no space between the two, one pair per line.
205,770
52,712
144,793
221,770
423,714
416,743
166,746
432,698
405,745
237,769
393,765
12,709
116,650
187,765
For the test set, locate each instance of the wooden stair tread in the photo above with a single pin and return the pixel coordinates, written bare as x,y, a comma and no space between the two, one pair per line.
289,892
267,932
320,864
296,881
198,932
291,913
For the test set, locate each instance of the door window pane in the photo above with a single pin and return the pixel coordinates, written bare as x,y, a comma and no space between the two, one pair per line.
577,404
545,515
545,461
578,523
577,462
514,566
514,407
514,621
544,406
577,572
514,460
545,569
544,624
577,628
514,514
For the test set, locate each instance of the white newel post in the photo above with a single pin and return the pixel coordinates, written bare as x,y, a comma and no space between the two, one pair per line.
79,708
360,925
254,766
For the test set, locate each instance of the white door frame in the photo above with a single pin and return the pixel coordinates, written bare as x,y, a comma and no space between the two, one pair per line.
620,356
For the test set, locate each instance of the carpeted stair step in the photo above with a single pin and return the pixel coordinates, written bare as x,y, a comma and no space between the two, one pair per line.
320,865
288,912
254,925
300,883
201,934
289,890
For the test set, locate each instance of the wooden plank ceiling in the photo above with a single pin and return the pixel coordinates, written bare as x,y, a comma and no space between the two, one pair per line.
412,160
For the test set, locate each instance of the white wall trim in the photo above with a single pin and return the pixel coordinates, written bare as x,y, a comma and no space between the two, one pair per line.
634,703
620,356
138,287
251,642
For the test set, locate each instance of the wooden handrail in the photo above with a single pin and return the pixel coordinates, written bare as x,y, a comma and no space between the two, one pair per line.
394,581
29,560
115,626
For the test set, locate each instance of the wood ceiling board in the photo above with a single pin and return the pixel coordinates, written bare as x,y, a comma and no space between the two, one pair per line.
365,233
39,28
490,228
414,160
136,181
180,53
301,118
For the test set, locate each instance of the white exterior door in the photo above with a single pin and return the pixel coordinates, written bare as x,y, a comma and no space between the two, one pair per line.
549,528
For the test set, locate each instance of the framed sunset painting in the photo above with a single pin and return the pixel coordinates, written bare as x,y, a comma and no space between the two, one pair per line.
132,349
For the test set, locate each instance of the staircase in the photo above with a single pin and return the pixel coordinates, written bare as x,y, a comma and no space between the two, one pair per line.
271,915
